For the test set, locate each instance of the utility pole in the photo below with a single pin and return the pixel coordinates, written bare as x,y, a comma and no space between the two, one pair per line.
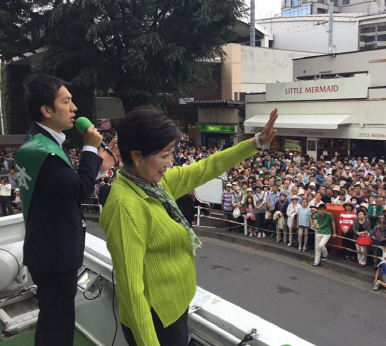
331,25
1,113
252,37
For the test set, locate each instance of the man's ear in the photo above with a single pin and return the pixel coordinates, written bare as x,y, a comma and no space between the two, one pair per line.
46,111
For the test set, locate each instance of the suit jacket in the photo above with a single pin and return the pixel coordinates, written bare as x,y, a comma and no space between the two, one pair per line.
104,191
186,205
55,228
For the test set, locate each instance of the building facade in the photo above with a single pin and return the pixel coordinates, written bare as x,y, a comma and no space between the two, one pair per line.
295,8
337,103
221,116
311,33
363,28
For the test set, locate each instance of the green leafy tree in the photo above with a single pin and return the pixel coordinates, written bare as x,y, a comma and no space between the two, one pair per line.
145,50
15,119
15,40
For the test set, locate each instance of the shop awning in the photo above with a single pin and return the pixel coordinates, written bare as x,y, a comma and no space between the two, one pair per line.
11,140
303,121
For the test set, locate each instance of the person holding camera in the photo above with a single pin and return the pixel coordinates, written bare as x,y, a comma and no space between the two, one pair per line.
5,197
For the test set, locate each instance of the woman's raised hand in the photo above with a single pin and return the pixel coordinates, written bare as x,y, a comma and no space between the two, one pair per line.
268,132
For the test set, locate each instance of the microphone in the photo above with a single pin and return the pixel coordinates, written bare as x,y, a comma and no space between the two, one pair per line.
82,124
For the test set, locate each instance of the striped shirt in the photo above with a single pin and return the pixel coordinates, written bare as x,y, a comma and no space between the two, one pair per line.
227,200
347,219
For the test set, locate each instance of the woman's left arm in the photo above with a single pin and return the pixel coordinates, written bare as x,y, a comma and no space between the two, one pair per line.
180,180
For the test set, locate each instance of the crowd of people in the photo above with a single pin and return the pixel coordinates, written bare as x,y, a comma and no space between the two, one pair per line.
10,201
284,195
287,195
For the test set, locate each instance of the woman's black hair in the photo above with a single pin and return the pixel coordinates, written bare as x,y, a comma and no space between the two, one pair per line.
147,130
41,90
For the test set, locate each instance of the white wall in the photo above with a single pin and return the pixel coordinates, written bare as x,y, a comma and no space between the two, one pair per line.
218,115
304,35
340,64
260,66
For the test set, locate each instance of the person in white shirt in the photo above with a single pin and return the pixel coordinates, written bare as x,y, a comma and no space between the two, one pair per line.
297,157
317,201
17,201
292,212
341,199
6,165
327,168
5,198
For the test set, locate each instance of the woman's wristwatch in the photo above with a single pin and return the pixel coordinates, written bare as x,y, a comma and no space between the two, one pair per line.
258,144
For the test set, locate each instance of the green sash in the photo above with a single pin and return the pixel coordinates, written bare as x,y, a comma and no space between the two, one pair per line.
29,159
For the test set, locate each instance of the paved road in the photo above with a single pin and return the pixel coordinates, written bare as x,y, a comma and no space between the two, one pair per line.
319,305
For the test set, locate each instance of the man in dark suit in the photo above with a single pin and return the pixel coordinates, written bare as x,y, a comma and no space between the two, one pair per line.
104,191
186,205
55,226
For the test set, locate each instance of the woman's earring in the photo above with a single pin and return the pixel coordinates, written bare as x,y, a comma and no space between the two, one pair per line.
137,163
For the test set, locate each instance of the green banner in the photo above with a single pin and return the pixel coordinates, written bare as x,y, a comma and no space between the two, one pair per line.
29,159
215,128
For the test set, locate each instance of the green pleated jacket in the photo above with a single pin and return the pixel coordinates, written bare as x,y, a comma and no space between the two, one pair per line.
151,253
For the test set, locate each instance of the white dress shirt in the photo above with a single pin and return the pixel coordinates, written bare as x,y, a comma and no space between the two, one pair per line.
5,190
61,137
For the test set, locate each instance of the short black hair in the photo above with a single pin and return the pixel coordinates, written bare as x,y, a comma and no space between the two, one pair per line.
147,130
322,206
41,90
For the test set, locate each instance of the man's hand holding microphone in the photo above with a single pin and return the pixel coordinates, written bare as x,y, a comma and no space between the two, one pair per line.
109,153
92,137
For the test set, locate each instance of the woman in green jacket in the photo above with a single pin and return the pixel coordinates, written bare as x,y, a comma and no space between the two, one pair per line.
151,244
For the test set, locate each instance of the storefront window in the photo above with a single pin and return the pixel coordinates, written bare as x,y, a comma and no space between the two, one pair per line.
219,140
360,147
328,146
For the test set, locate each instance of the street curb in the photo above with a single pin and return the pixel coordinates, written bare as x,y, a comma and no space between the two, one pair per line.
335,263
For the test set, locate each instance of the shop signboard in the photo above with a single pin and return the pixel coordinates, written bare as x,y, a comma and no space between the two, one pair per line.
320,89
292,145
185,100
215,128
348,132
